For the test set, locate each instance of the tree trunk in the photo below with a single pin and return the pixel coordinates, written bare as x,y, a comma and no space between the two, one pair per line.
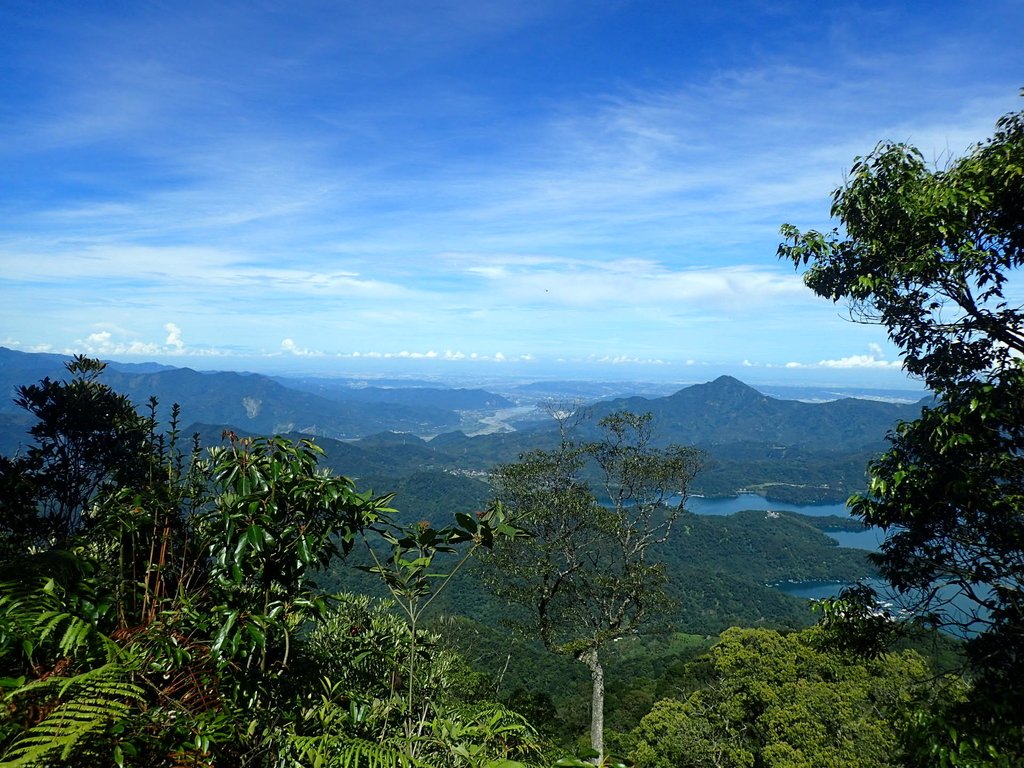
596,703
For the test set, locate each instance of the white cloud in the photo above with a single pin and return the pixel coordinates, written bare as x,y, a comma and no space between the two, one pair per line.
101,343
15,344
860,361
579,283
626,359
853,361
112,340
201,270
431,354
289,346
174,336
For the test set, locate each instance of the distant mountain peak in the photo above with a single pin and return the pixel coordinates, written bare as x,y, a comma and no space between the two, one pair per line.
730,381
724,386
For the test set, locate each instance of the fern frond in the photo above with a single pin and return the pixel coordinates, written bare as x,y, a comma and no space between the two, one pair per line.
35,618
82,707
20,608
76,634
330,751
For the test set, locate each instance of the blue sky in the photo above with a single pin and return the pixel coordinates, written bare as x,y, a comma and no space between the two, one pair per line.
463,188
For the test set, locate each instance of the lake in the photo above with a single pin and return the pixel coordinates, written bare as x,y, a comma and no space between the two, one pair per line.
868,539
730,504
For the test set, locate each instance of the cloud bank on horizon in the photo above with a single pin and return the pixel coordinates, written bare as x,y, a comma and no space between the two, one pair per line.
546,186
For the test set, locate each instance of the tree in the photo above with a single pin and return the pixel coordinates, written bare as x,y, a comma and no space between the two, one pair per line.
587,570
931,255
87,438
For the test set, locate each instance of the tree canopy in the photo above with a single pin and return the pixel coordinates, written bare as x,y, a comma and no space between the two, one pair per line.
781,701
933,256
929,254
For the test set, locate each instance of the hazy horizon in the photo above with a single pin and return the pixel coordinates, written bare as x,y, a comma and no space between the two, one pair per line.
661,379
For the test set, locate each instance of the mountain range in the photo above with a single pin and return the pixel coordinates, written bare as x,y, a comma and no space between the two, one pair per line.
260,404
409,437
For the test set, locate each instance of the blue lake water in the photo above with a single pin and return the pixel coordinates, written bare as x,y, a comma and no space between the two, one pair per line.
954,604
727,506
868,539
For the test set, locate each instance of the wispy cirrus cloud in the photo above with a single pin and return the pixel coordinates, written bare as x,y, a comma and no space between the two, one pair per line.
432,179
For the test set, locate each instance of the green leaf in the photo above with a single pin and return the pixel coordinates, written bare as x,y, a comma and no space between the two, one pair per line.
255,536
468,522
256,634
225,630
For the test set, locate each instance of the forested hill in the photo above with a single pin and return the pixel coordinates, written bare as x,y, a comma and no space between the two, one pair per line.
727,411
786,449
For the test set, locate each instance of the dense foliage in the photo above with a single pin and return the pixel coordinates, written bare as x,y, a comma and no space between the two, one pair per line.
778,701
162,617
